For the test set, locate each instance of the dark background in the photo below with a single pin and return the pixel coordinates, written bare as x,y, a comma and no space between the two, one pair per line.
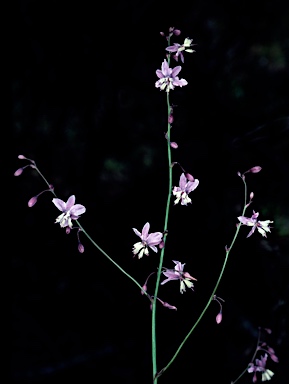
85,108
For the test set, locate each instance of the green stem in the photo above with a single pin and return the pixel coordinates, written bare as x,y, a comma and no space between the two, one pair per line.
154,346
255,353
94,243
214,290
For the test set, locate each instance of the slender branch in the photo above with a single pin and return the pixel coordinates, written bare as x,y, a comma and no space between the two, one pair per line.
214,290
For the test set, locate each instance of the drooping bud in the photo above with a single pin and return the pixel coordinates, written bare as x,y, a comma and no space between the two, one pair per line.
167,305
80,248
21,157
255,169
173,144
274,358
67,230
144,288
32,201
219,318
18,172
189,177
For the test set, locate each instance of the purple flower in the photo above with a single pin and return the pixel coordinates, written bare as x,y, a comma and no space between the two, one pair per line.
179,48
147,240
168,78
260,366
185,187
179,274
262,226
70,211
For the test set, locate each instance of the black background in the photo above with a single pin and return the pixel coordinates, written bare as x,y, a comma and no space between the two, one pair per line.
85,108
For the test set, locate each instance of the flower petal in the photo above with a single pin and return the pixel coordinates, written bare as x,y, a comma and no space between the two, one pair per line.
70,202
77,210
145,231
60,204
136,232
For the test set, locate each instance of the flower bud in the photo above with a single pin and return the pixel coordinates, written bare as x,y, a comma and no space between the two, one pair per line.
80,248
189,177
219,318
177,32
274,358
167,305
170,119
251,195
18,172
255,169
144,288
174,145
161,244
67,230
21,157
32,201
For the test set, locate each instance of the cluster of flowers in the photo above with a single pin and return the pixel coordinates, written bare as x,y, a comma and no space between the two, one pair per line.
260,364
167,80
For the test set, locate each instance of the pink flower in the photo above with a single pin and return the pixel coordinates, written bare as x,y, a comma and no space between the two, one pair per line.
179,274
70,211
180,48
168,78
260,366
262,226
185,187
147,240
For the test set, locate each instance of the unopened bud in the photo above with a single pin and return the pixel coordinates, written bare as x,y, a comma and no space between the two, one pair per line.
161,244
189,177
274,358
177,32
144,288
80,248
170,119
32,201
67,230
167,305
219,318
18,172
268,330
174,145
162,34
21,157
251,195
255,169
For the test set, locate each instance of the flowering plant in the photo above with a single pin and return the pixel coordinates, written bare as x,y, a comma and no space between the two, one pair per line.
157,241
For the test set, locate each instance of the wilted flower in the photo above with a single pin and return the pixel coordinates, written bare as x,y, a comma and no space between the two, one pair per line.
180,48
260,366
179,274
262,226
185,187
148,240
168,78
70,211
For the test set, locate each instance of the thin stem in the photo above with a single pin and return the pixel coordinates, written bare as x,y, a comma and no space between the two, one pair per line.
94,243
154,347
214,290
255,353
